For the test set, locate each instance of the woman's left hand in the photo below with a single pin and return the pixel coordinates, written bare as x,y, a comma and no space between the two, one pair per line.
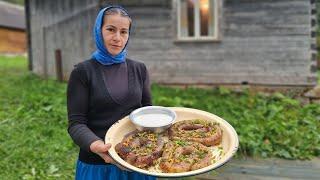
101,149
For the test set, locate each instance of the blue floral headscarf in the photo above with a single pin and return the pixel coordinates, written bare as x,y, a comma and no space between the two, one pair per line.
101,54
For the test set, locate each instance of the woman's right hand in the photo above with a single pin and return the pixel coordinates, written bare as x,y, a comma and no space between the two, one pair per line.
101,149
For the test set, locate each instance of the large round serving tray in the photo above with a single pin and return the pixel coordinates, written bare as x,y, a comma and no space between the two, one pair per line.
230,140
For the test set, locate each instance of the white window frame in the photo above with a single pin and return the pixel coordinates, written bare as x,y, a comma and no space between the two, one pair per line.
197,36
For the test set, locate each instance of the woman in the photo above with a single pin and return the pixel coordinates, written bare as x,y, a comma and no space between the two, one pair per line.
103,90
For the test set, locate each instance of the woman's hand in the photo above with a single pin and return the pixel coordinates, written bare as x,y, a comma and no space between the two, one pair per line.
101,149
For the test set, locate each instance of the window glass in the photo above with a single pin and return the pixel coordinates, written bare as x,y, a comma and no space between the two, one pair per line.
187,18
197,19
204,17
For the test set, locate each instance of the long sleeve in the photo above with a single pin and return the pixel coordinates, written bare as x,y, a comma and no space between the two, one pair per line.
77,105
146,91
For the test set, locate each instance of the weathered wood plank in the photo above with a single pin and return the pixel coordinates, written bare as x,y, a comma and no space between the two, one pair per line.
237,176
229,43
266,169
215,79
263,169
133,3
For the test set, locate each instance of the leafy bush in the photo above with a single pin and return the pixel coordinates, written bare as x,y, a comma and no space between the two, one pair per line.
268,126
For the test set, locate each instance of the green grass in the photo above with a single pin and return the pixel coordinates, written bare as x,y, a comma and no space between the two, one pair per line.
18,2
33,139
318,77
34,143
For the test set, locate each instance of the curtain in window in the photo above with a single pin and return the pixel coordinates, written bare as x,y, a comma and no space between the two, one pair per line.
187,18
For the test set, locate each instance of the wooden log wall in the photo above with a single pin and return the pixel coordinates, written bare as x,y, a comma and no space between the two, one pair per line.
64,25
264,42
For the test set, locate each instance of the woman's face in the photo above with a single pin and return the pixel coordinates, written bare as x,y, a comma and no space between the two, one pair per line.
115,32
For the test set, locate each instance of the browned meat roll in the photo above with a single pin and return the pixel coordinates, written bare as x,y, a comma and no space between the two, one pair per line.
140,149
182,156
206,133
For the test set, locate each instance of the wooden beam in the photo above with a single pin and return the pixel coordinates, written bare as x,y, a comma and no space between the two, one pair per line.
58,59
28,31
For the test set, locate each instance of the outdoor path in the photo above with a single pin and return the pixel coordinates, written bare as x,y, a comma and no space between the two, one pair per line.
264,169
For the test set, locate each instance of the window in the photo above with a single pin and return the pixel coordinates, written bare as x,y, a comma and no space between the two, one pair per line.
197,19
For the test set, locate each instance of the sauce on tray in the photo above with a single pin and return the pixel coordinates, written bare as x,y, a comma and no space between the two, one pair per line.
153,120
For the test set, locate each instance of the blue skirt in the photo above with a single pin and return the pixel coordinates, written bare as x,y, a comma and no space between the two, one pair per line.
102,172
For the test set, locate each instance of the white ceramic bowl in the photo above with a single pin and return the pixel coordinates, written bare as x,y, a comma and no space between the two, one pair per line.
153,118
